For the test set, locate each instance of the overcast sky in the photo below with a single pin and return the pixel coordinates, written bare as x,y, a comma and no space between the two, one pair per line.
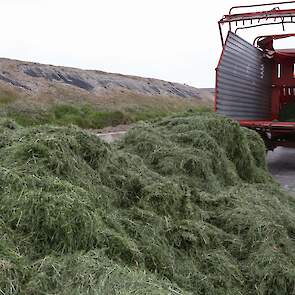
176,40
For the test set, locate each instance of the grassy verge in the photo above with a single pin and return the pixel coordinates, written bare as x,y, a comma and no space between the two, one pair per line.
86,116
64,108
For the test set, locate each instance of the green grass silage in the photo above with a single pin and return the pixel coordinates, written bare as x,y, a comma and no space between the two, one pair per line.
181,206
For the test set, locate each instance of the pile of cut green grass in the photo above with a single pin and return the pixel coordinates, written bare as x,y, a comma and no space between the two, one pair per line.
181,206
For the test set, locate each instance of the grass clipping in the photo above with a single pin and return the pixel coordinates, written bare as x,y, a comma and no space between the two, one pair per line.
181,206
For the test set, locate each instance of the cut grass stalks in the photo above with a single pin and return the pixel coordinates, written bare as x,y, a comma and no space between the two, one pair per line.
183,205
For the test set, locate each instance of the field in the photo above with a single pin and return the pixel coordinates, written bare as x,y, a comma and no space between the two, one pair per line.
92,114
180,205
34,94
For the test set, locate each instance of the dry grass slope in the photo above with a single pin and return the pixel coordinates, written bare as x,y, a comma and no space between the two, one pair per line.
35,94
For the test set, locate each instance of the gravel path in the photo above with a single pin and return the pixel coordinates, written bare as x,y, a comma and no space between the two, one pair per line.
281,163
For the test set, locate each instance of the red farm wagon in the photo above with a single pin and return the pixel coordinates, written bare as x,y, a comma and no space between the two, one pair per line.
255,83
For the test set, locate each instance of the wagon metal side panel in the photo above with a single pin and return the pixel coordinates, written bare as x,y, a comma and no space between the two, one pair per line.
243,81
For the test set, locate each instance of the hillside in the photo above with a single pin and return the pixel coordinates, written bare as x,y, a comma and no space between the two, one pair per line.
36,93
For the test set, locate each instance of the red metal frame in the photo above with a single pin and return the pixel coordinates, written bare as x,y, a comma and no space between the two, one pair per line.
269,39
216,73
275,133
258,15
283,92
275,16
269,125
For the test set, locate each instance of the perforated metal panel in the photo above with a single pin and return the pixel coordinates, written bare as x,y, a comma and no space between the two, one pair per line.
243,81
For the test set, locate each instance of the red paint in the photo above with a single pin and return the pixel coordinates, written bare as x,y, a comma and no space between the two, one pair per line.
283,83
216,79
257,15
268,124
